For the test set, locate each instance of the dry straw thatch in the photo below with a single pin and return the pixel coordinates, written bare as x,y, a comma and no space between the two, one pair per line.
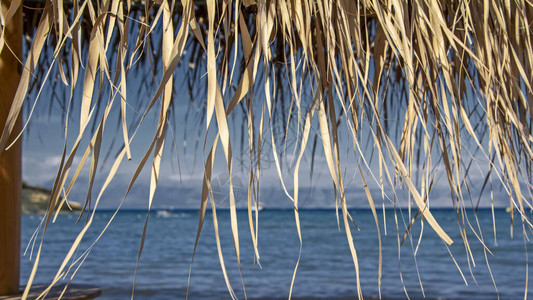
422,83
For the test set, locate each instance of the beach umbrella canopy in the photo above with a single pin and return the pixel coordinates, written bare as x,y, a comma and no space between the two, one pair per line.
418,90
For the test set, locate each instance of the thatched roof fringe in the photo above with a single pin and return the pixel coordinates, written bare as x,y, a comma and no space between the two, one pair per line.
434,88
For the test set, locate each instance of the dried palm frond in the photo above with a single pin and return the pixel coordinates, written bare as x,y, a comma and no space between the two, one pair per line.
422,84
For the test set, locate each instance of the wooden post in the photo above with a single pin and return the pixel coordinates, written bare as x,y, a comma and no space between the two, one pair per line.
10,160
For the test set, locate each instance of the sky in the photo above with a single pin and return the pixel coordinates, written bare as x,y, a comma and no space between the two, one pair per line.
180,182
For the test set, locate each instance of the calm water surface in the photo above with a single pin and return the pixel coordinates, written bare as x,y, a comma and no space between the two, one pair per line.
326,269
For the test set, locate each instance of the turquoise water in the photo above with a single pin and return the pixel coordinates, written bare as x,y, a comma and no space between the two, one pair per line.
326,270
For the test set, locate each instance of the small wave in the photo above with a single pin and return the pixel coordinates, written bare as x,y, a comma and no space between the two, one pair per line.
165,214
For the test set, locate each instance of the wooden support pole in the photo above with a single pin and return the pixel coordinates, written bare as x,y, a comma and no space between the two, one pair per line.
10,160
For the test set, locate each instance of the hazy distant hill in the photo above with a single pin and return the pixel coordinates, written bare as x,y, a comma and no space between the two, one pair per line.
35,200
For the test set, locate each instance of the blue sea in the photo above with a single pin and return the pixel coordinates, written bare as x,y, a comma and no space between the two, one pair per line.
325,270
